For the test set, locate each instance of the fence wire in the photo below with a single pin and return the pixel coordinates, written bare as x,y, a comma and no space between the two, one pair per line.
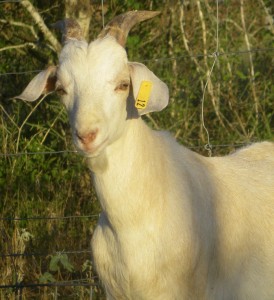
50,284
36,153
83,282
47,218
45,254
160,59
19,154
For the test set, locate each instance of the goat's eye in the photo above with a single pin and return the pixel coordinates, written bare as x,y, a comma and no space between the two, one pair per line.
60,90
122,86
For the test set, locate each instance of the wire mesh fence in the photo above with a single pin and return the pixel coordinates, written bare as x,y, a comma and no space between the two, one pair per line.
58,259
15,248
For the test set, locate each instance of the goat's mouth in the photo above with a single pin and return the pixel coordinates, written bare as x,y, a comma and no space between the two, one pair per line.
91,150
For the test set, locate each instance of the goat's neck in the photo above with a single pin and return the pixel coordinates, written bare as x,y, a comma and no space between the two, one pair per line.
125,172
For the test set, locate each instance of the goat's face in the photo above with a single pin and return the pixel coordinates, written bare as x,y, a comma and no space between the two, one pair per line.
94,81
98,86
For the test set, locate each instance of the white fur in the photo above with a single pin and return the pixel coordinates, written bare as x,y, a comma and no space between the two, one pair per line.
174,224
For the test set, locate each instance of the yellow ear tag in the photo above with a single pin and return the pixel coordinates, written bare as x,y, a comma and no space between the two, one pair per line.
143,94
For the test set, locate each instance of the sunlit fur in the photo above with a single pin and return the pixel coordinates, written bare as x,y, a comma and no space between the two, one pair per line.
174,224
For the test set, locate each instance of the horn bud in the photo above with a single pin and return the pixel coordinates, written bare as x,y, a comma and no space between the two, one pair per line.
120,26
70,30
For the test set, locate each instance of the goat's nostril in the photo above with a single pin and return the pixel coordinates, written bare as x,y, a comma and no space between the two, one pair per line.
87,137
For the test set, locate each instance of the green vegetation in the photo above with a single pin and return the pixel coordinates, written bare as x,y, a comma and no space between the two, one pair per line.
179,47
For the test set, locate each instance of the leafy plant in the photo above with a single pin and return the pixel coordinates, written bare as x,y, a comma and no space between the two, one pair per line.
51,182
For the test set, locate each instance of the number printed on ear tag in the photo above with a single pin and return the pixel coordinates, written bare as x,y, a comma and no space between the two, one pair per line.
143,95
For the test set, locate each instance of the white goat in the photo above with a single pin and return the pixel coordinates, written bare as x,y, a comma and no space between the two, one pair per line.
174,224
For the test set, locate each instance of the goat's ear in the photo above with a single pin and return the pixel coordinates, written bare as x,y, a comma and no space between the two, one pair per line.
41,84
156,92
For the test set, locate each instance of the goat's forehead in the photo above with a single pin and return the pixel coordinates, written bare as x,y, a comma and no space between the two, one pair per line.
107,56
74,52
73,60
104,59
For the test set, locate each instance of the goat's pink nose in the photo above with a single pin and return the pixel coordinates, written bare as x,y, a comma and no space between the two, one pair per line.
87,138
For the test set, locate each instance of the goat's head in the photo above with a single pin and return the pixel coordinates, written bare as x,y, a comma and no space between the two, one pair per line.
97,83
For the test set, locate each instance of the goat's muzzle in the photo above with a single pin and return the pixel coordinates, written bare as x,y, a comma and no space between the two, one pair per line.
87,138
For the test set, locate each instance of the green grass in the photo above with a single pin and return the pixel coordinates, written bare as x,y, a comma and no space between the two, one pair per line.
238,109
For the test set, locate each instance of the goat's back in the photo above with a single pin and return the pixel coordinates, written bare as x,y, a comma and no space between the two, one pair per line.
244,211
